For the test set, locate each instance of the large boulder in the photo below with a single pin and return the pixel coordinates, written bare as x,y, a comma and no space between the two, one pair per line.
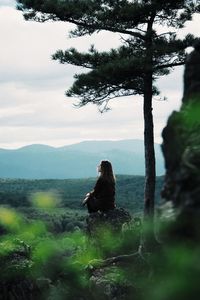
113,219
181,149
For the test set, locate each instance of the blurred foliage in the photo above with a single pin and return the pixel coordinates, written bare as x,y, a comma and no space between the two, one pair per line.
38,263
46,200
190,113
10,219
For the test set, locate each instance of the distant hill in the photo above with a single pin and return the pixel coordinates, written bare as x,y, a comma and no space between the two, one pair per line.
75,161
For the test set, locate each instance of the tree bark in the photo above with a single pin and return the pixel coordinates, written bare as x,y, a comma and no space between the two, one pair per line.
150,173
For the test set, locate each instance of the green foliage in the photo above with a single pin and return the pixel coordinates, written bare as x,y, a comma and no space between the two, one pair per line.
30,251
59,266
172,279
44,200
10,219
190,113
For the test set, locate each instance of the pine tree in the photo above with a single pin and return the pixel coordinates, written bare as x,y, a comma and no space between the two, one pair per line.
145,54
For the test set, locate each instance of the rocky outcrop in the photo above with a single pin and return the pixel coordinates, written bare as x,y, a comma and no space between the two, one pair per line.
112,219
181,149
107,284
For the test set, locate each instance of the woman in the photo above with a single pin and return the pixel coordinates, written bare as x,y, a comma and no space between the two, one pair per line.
103,196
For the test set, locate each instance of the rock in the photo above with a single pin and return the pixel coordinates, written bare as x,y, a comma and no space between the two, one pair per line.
192,74
181,149
107,284
113,219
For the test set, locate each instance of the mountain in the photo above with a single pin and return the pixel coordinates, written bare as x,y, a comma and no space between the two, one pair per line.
75,161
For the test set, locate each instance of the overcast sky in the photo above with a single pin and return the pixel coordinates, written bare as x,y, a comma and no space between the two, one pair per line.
33,107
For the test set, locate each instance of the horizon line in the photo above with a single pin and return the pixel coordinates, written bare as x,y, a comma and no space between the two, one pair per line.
70,144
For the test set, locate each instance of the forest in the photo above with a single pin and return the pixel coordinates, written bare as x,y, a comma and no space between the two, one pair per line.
68,195
129,191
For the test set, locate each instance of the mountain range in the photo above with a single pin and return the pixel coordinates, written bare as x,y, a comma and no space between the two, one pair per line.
75,161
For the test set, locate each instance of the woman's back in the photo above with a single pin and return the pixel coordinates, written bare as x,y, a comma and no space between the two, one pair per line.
104,192
103,196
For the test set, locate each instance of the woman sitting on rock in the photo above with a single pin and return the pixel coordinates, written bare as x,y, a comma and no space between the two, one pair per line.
102,198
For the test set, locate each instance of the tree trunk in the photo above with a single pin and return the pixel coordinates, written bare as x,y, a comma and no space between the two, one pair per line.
148,240
150,176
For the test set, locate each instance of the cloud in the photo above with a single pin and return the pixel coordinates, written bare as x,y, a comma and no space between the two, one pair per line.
28,46
11,3
26,52
33,107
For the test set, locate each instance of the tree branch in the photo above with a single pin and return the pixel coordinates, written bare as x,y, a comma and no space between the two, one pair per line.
95,99
170,65
107,28
127,258
170,32
86,25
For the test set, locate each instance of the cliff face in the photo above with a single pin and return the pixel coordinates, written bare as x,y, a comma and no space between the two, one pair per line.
181,149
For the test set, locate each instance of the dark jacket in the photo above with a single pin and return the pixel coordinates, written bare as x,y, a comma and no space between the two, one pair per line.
104,192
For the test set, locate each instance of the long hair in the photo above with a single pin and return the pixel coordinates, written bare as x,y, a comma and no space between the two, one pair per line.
107,171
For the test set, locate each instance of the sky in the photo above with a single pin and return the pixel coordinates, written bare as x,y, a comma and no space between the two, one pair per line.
33,105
